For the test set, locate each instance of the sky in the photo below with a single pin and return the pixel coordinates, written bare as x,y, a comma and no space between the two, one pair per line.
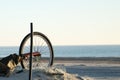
65,22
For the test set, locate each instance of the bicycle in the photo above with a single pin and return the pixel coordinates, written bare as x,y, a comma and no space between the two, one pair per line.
43,53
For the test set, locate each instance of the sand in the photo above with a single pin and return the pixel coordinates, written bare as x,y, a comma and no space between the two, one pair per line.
101,68
46,74
74,69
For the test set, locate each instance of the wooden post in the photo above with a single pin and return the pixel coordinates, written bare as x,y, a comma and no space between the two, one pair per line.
31,47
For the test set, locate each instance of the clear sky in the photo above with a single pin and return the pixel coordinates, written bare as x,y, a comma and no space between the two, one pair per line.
65,22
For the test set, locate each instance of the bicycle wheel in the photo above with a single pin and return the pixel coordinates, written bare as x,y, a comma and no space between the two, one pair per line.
42,51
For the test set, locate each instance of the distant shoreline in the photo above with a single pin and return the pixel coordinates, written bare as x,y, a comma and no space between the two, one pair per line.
90,58
87,59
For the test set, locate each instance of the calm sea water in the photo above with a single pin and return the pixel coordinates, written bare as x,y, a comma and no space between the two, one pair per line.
74,51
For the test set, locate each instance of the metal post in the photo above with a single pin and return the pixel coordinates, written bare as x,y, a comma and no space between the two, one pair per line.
31,47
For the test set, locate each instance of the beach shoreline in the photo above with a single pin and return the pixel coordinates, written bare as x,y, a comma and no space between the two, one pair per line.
88,68
92,68
111,60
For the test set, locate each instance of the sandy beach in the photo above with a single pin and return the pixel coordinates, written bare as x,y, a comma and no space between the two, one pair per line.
78,68
93,68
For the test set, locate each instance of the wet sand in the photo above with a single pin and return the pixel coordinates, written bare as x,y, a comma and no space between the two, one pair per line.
92,68
85,67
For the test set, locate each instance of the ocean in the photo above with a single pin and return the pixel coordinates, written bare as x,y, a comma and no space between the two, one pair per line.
73,51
